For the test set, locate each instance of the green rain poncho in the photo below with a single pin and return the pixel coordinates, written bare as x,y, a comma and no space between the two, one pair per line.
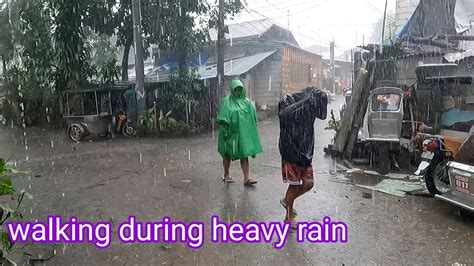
237,119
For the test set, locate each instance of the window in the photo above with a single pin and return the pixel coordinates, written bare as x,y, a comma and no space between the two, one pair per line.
386,102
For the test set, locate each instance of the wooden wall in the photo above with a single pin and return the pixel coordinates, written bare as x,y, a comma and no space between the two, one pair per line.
294,62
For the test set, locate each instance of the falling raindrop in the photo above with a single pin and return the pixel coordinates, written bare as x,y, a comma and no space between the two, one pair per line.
189,155
270,83
140,157
213,133
64,195
52,144
164,171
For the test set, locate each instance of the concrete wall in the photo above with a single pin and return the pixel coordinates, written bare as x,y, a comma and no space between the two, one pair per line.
404,9
267,81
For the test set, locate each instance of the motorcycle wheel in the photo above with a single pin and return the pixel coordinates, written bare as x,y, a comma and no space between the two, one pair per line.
128,130
437,179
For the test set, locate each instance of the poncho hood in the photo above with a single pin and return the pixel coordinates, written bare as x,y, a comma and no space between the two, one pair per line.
234,84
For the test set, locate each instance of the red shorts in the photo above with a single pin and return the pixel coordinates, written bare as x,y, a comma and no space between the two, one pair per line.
296,175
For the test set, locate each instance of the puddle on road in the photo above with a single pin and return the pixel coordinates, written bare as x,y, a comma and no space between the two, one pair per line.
365,179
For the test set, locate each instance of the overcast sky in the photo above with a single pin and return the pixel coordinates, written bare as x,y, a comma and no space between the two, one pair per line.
345,21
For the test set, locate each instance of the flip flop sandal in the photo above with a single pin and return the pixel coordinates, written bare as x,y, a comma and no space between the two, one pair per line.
282,202
250,182
228,180
292,225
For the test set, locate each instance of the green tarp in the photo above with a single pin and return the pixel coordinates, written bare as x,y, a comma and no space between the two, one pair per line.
237,119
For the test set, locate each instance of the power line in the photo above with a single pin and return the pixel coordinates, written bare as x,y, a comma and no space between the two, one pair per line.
249,10
270,19
307,9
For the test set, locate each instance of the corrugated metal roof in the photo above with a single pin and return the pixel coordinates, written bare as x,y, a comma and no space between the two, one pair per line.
245,29
233,67
236,66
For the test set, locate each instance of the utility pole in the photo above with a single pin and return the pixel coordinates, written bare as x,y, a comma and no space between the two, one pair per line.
139,69
333,71
383,26
220,51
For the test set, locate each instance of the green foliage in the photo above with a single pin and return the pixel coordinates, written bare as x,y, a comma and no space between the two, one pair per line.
6,48
166,123
185,88
334,124
104,58
48,49
147,120
72,54
29,83
8,196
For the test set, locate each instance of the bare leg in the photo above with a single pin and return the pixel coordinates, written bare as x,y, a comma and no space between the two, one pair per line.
245,168
226,163
292,194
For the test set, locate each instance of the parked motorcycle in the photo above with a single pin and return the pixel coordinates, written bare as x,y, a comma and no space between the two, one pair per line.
124,125
433,165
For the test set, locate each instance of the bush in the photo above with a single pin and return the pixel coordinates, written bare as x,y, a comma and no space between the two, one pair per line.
10,202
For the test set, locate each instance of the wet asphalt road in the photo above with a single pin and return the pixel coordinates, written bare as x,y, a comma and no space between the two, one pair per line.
151,178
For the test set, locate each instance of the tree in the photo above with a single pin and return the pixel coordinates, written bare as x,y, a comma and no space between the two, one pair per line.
125,33
184,25
29,82
6,48
72,53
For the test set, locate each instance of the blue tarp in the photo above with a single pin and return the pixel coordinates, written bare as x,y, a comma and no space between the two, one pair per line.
455,115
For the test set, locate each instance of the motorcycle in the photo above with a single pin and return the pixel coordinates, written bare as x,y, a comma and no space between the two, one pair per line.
433,165
124,125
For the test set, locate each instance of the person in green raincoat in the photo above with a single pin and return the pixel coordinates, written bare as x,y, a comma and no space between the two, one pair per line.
238,134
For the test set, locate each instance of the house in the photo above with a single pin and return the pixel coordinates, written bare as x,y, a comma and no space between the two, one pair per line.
434,53
265,56
403,11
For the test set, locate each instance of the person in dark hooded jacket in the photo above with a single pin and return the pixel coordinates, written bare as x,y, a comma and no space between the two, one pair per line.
297,114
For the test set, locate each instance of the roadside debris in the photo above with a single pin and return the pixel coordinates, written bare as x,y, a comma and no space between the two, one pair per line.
398,187
366,195
165,248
